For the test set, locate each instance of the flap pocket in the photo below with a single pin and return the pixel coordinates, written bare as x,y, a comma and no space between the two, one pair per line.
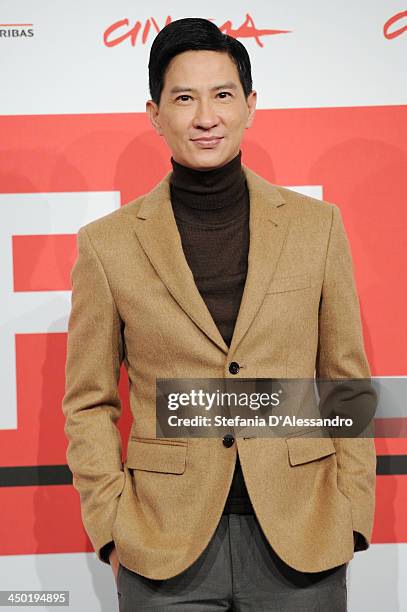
289,283
156,457
303,450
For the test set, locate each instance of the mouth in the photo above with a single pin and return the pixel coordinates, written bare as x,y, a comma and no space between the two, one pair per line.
207,143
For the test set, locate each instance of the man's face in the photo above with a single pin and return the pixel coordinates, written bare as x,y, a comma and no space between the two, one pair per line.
202,98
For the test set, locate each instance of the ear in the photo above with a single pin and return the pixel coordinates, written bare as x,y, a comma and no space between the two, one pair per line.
153,114
251,104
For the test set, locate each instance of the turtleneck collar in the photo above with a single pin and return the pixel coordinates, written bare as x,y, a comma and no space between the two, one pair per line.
214,196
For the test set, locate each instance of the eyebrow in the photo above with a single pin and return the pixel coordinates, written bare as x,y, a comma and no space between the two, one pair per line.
227,85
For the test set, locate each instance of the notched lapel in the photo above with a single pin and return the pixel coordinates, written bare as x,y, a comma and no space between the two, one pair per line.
268,230
157,232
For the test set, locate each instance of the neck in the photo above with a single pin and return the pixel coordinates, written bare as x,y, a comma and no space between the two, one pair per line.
215,196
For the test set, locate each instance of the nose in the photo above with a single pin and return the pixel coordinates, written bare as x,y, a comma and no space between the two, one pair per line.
205,115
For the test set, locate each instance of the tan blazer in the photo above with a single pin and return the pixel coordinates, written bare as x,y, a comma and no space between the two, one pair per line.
134,299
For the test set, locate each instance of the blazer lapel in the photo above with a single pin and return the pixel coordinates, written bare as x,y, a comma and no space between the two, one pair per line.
158,234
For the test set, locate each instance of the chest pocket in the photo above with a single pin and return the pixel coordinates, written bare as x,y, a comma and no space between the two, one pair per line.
289,283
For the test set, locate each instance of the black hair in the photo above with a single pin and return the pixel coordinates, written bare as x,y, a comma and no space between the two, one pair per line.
194,33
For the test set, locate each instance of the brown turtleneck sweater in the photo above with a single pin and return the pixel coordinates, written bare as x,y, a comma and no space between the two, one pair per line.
211,209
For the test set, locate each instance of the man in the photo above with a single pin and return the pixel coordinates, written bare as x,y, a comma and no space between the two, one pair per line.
215,273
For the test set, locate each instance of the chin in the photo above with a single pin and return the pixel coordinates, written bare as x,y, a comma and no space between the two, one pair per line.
209,159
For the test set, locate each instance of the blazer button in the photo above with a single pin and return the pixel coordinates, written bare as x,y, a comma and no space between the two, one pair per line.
234,367
228,440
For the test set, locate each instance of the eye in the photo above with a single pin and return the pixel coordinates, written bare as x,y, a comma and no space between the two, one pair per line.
219,94
183,96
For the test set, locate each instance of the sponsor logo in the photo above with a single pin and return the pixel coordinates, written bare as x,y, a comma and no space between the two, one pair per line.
121,31
396,25
16,30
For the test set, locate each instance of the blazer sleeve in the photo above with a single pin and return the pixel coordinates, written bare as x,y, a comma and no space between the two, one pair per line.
341,354
91,404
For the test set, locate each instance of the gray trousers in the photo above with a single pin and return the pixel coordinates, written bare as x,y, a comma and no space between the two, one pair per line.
240,572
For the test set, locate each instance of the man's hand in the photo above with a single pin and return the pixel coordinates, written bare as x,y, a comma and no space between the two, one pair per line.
114,562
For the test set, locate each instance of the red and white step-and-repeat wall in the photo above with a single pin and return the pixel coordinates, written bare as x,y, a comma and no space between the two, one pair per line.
75,144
